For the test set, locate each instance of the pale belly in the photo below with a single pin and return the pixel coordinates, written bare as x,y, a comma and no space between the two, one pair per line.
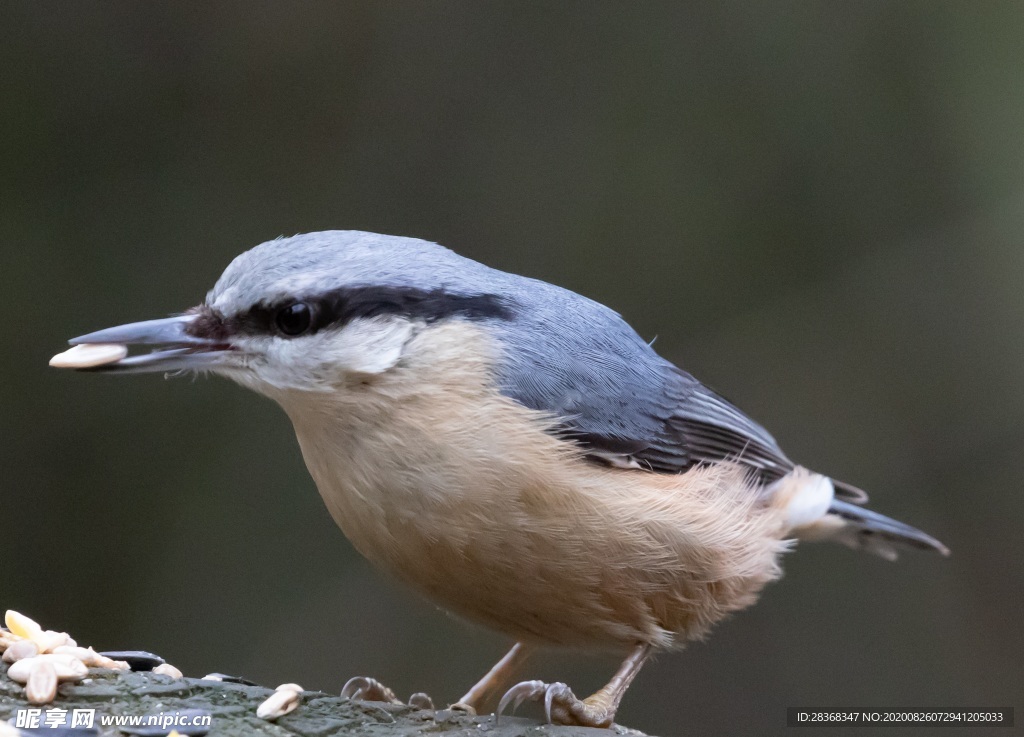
587,556
462,493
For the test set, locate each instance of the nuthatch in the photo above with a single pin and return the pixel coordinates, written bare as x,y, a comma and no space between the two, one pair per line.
513,451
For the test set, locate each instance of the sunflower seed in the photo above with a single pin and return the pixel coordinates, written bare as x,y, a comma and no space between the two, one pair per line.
20,650
89,355
166,669
279,704
22,626
50,640
41,687
420,700
103,661
66,667
8,638
87,655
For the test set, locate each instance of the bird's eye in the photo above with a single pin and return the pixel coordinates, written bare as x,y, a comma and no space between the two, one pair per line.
295,319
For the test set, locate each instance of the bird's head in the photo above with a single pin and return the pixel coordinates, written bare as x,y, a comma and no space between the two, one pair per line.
312,312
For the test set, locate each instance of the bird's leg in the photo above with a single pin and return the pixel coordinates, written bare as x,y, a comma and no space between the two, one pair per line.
495,679
561,705
370,689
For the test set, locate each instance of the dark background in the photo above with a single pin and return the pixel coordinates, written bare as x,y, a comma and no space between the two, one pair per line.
815,207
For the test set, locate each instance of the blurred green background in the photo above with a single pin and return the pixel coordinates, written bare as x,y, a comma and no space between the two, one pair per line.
815,207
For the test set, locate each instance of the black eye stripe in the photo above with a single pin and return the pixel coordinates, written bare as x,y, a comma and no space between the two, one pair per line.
339,307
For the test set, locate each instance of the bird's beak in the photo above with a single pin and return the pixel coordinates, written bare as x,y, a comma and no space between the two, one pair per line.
174,349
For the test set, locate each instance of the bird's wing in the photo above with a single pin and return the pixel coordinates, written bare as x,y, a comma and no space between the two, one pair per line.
705,427
667,426
579,361
624,403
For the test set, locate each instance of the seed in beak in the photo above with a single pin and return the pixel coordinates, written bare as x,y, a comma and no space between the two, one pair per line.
89,355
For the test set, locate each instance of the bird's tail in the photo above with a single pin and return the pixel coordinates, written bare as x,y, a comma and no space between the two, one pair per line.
815,513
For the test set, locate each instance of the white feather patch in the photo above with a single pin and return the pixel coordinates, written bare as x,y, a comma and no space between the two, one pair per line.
321,361
805,496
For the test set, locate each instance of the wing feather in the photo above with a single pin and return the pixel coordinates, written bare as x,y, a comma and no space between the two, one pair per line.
576,359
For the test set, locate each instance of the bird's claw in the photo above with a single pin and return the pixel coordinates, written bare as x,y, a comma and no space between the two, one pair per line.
560,704
527,690
370,689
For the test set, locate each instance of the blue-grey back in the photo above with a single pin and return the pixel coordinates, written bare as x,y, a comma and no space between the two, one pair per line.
562,353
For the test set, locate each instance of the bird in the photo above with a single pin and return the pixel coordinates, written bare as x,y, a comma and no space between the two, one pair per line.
511,450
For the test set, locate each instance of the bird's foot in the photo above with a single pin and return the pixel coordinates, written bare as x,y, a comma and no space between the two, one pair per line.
370,689
560,704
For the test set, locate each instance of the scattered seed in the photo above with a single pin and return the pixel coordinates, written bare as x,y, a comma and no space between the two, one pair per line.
138,660
66,667
49,640
23,626
21,650
166,669
8,638
89,355
103,661
279,704
420,700
27,628
41,687
86,654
